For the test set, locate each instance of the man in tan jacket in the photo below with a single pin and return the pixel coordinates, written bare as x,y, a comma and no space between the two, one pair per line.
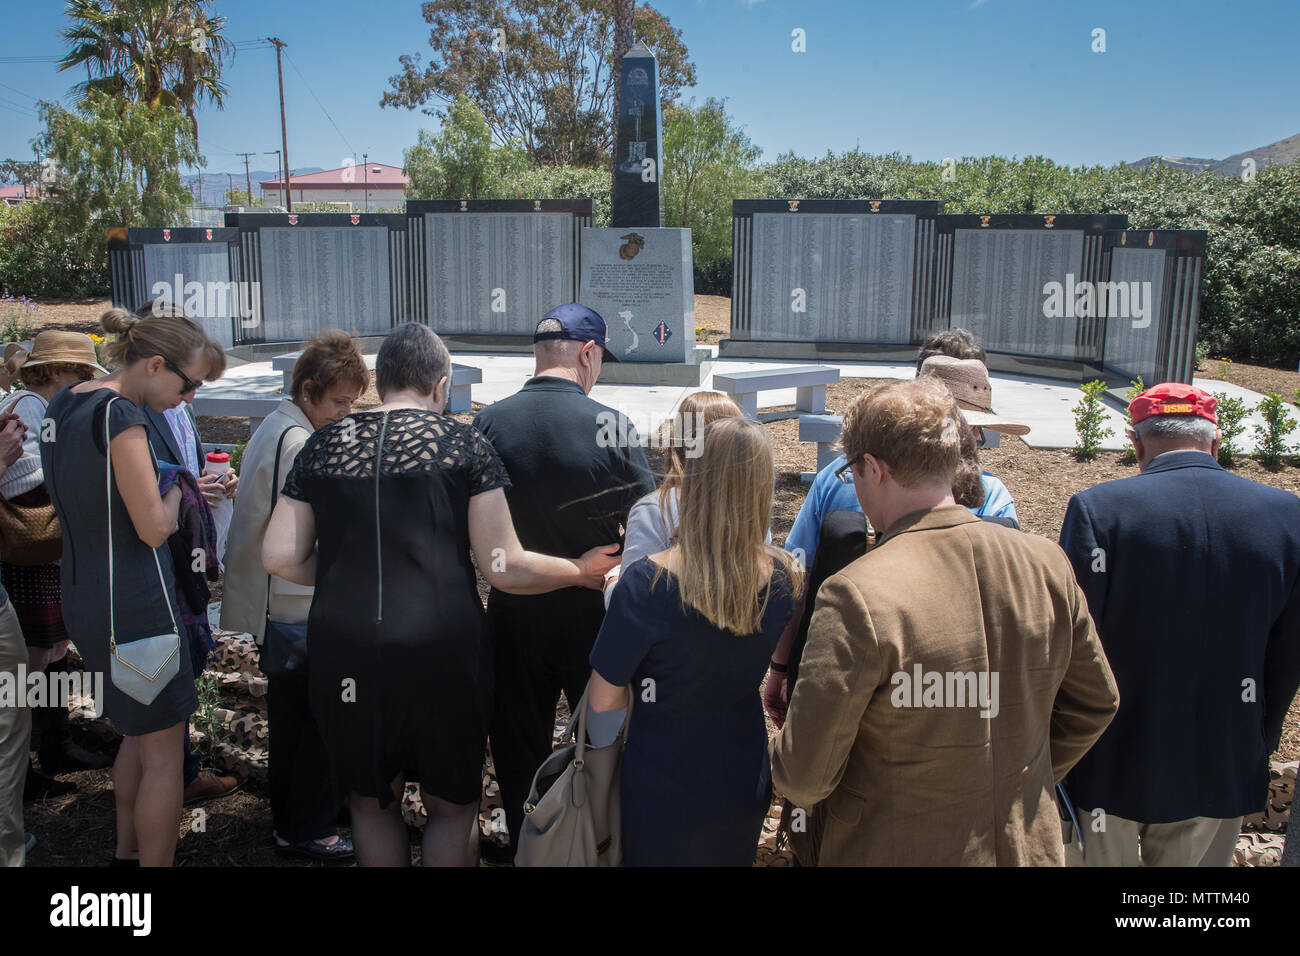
952,674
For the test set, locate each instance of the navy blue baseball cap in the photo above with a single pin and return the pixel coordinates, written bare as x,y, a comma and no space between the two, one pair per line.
579,323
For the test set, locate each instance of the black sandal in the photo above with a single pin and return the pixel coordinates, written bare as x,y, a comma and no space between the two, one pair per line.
320,853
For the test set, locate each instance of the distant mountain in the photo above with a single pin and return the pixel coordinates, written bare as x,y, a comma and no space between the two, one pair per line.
216,185
1275,154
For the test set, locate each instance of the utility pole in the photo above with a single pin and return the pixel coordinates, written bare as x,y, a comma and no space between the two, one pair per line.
230,186
284,129
248,179
365,161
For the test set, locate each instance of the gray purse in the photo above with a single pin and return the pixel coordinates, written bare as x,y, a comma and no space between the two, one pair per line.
142,668
573,815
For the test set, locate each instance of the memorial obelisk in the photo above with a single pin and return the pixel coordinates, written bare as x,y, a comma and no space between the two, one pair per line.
637,274
636,153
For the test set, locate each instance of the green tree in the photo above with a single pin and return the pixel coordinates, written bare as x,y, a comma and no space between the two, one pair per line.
161,52
708,162
117,164
541,71
22,172
460,161
239,197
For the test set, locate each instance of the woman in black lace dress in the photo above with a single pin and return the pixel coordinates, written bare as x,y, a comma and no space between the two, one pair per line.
380,514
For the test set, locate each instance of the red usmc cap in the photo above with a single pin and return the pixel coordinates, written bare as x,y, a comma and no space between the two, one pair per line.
1174,398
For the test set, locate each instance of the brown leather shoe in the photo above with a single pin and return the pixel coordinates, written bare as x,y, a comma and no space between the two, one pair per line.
209,786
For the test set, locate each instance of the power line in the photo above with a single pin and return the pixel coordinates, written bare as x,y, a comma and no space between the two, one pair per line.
20,112
20,92
21,106
30,59
320,104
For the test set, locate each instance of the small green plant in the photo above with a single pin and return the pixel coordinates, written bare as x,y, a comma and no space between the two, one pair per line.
206,720
237,456
17,318
1135,389
1270,438
1232,417
1202,354
1089,421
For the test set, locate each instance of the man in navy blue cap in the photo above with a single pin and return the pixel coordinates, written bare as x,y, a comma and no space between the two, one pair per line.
571,489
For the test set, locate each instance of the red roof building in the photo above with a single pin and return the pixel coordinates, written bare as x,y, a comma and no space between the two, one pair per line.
366,186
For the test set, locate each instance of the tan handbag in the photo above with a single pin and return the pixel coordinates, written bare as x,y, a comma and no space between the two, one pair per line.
572,817
30,535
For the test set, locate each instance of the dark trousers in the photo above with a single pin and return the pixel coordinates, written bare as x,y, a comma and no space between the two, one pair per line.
541,646
302,802
190,762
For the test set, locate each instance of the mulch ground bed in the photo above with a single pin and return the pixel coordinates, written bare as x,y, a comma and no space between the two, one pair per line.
1257,378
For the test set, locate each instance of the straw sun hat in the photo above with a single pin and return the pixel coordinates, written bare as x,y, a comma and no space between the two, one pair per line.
51,347
968,380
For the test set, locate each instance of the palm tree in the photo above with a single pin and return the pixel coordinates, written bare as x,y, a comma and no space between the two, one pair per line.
161,52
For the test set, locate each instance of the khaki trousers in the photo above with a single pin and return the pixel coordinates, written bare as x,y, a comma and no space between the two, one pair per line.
1200,841
15,738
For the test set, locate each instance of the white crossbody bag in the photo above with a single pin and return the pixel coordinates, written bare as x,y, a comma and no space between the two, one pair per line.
142,668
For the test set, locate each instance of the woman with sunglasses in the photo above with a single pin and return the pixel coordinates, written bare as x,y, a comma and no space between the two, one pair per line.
160,361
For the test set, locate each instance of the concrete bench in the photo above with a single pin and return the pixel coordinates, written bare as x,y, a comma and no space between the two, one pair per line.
825,431
254,406
462,377
809,382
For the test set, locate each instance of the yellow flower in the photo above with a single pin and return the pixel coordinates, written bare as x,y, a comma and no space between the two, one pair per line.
97,339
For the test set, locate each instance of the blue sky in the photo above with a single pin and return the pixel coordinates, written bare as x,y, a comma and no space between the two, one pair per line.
929,78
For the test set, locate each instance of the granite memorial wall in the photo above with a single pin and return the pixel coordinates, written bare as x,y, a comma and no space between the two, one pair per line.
493,267
826,270
1161,273
479,267
147,264
1070,293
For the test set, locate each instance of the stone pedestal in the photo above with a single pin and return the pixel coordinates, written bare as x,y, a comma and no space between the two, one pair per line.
642,282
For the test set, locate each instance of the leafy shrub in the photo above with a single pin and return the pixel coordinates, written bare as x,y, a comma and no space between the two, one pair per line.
1134,390
713,277
41,256
1270,438
1089,418
1232,417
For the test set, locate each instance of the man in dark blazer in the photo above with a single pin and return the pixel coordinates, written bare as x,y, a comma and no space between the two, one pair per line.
186,450
1193,580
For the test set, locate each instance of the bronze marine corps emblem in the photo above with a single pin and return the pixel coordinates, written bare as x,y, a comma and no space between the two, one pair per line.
632,244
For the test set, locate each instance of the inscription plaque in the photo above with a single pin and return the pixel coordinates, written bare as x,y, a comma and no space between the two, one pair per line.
169,271
641,282
999,279
1131,339
832,277
497,273
315,278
